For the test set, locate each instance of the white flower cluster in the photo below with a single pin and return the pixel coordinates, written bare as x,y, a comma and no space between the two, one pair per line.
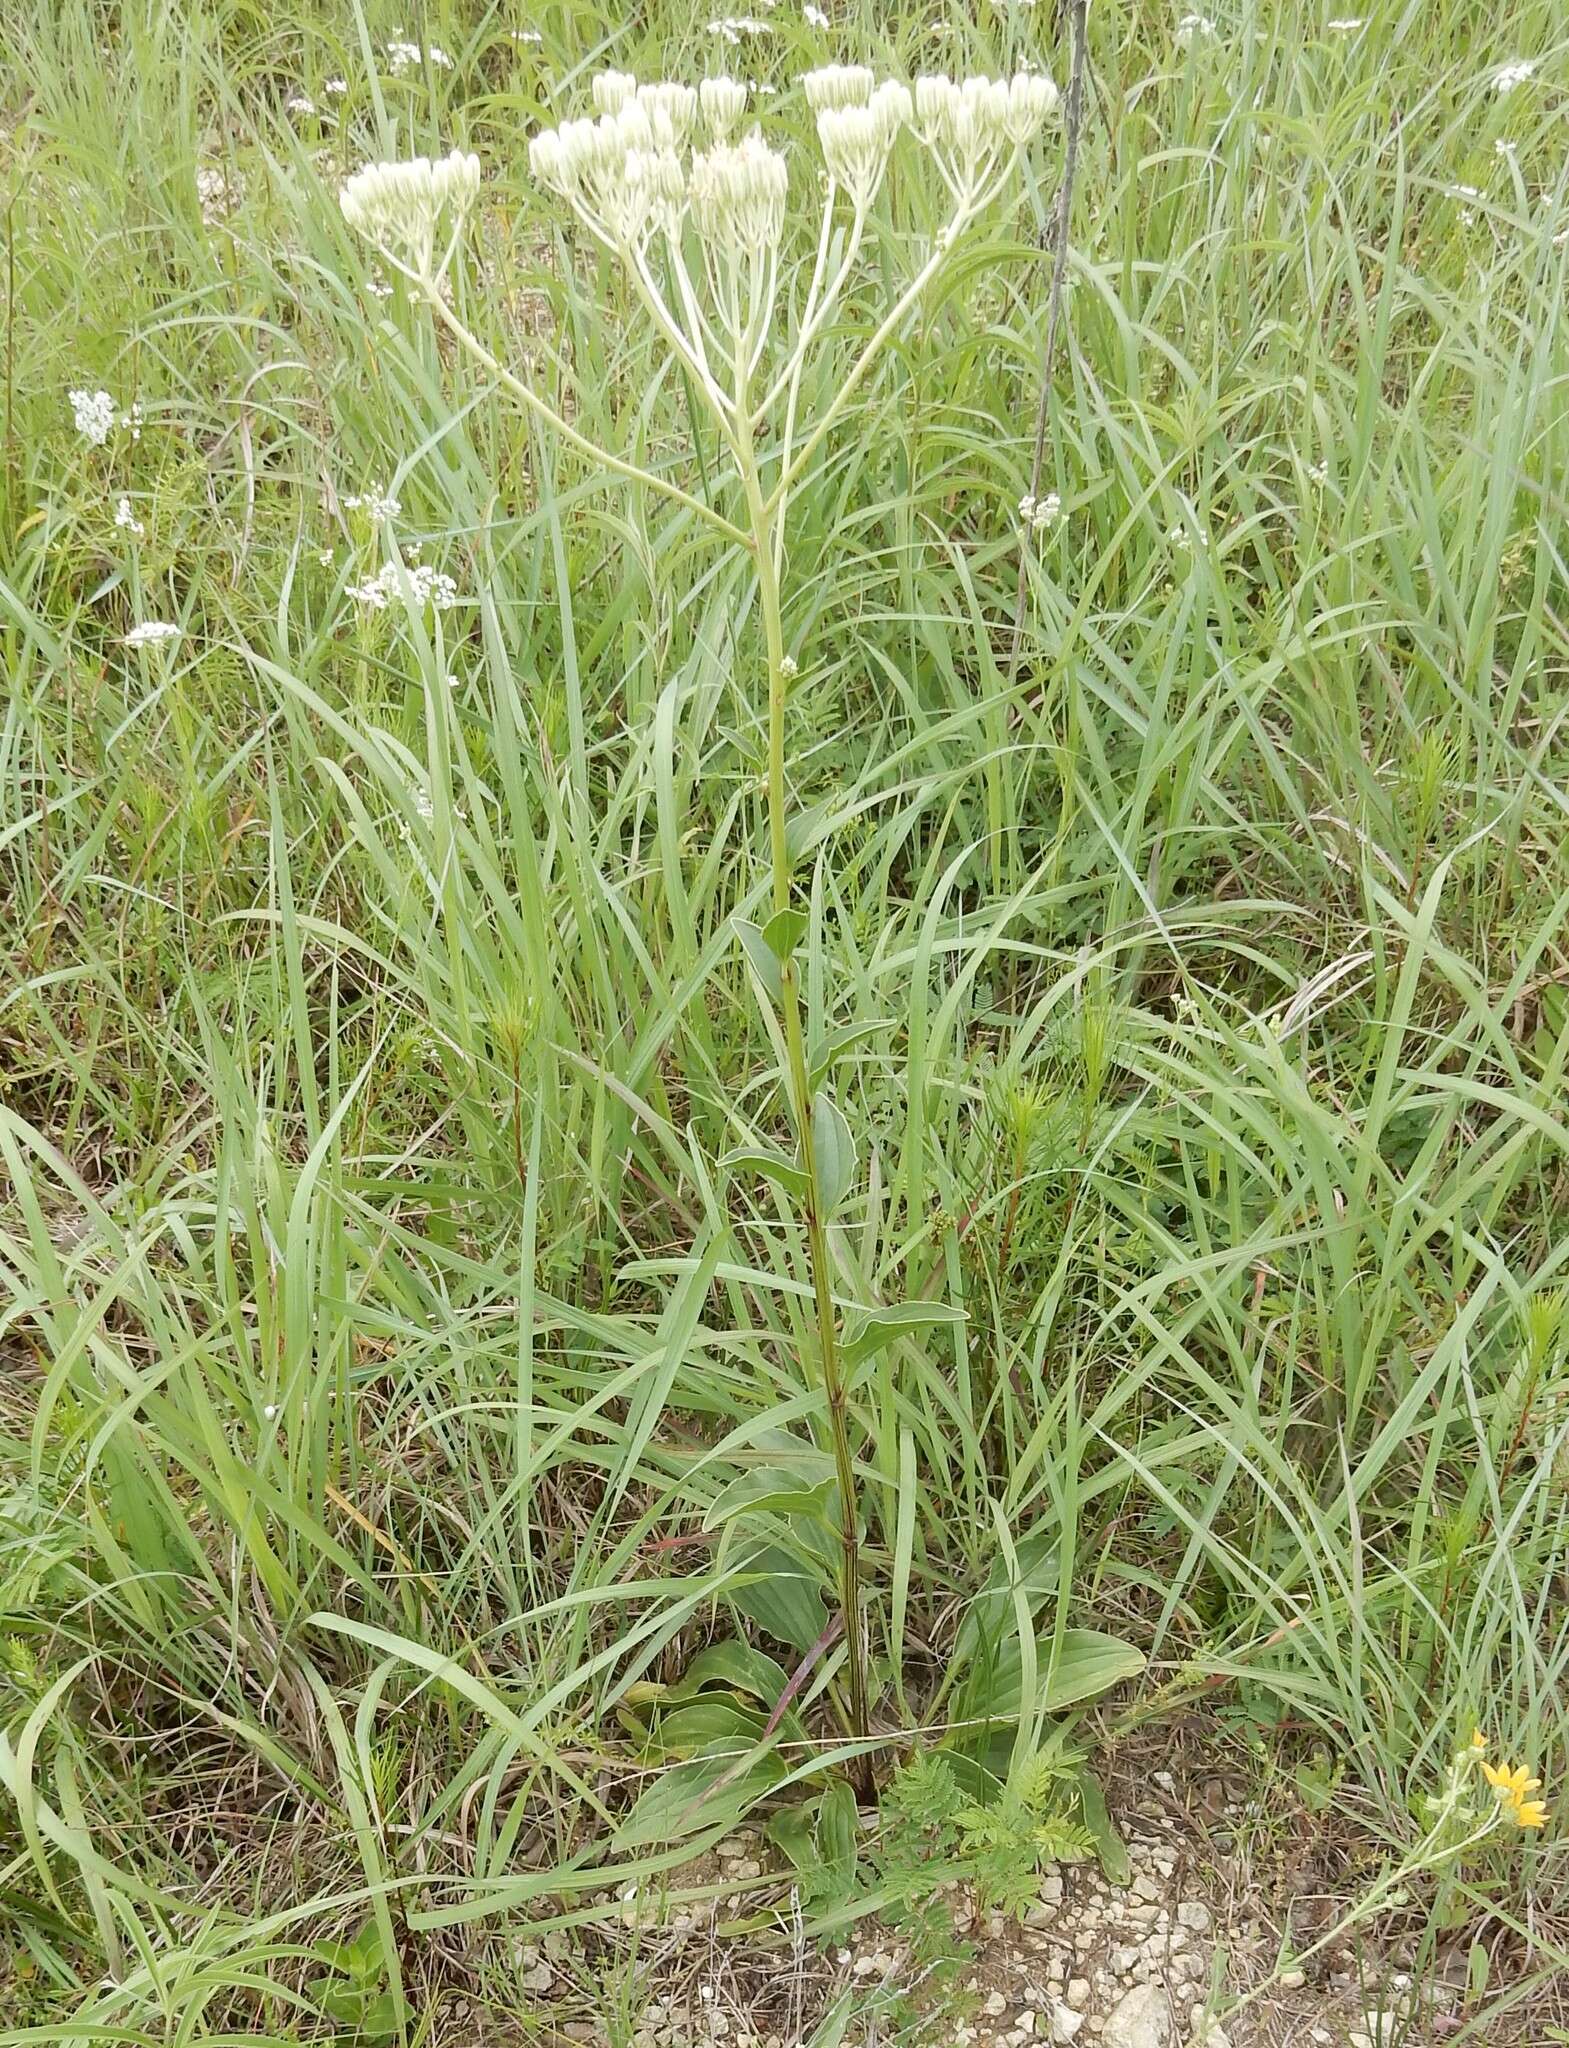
375,503
737,195
93,412
1191,27
428,587
857,137
734,28
1508,76
625,173
403,56
151,633
125,518
400,206
1040,514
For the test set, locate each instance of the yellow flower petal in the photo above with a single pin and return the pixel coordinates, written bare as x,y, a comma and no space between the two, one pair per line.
1529,1813
1478,1740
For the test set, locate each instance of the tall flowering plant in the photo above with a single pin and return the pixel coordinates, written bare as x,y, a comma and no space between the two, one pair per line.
695,206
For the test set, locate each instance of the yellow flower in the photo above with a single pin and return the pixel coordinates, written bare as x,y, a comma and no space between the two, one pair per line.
1510,1782
1514,1784
1478,1740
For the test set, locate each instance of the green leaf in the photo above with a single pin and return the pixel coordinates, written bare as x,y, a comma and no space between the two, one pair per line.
774,1166
734,1665
699,1726
784,932
882,1326
782,1598
1109,1846
1089,1662
838,1832
693,1797
762,957
989,1618
835,1150
836,1043
771,1490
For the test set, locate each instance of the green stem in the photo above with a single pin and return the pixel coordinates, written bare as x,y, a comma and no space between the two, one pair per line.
800,1096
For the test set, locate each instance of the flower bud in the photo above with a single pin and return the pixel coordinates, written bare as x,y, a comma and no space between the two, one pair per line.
724,102
612,90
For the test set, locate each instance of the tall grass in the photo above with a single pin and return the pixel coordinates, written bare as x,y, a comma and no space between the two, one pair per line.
386,1350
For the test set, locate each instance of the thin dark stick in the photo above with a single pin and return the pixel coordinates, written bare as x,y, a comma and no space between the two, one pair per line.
1059,270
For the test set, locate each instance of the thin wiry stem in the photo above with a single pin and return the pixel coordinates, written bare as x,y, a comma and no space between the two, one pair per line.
1053,313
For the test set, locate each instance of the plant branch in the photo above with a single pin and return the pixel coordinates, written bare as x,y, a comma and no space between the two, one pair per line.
1059,271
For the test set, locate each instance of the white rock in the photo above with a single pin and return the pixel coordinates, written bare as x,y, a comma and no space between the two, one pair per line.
1078,1993
1194,1914
1051,1888
1146,1888
1065,2023
995,2006
1025,2027
1140,2019
1292,1980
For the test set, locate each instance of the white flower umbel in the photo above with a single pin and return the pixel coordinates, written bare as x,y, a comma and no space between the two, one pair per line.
838,85
152,633
401,206
1508,76
93,412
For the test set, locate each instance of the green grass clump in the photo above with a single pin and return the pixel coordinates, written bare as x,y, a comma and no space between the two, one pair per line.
400,1396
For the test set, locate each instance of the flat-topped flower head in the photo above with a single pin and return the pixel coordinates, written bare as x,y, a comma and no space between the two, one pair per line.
838,85
1032,100
738,194
723,102
400,206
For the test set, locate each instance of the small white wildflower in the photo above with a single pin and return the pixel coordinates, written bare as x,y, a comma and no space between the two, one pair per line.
270,1412
531,36
789,668
93,412
1508,76
375,503
1047,512
427,586
1505,147
127,520
423,803
132,420
454,682
1318,473
814,17
403,56
324,556
1192,26
299,103
732,28
1464,193
377,286
336,88
1346,24
151,633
